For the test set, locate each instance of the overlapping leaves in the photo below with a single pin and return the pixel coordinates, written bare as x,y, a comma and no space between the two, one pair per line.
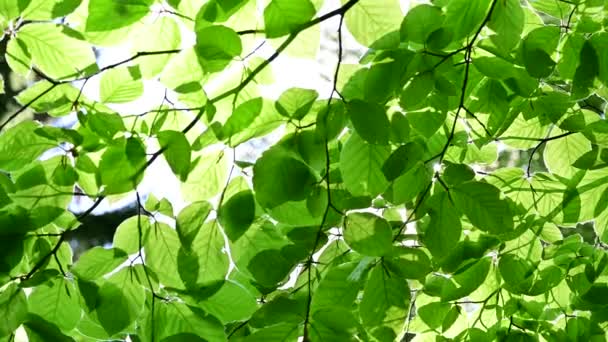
453,187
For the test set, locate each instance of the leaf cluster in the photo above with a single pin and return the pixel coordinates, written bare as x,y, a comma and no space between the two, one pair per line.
453,185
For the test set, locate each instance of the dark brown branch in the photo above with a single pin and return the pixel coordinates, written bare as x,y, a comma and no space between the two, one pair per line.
327,184
62,237
25,106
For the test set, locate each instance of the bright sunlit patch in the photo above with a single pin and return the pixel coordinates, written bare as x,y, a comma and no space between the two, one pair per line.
500,146
477,168
437,167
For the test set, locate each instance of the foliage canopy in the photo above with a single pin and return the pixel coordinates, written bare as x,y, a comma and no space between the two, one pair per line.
453,185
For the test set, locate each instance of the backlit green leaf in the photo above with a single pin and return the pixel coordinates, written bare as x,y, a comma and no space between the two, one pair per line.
465,16
361,167
20,145
216,46
370,121
114,14
98,261
482,205
368,234
13,307
296,102
121,85
369,20
58,302
444,229
420,22
57,50
177,152
280,177
385,297
282,17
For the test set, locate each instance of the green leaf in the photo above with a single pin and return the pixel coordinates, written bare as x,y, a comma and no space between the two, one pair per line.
457,173
39,330
361,167
269,267
281,331
11,9
209,246
242,117
127,234
192,322
494,67
58,302
114,14
368,234
201,265
409,263
232,302
600,43
383,80
56,102
97,262
537,48
420,22
220,11
400,128
57,50
282,17
482,205
121,165
119,301
164,35
464,17
282,308
105,125
183,71
161,249
426,122
121,85
586,72
560,154
444,229
417,90
507,21
279,177
331,121
190,220
177,152
402,160
216,46
556,9
461,284
337,289
571,54
207,176
296,102
434,313
407,186
237,214
385,298
13,308
370,121
48,9
20,145
370,20
517,273
333,324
